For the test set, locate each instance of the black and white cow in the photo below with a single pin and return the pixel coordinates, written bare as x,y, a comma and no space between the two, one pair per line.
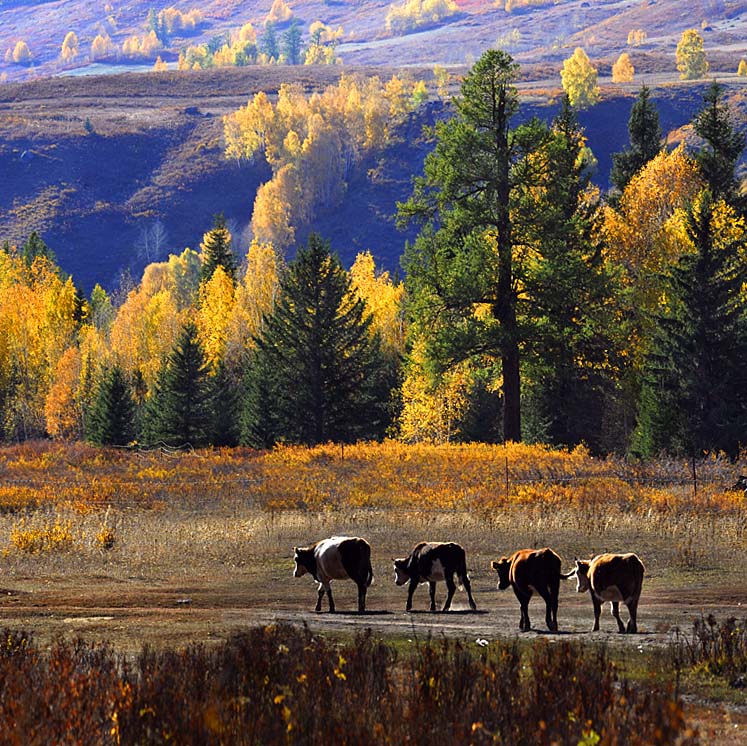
335,559
430,562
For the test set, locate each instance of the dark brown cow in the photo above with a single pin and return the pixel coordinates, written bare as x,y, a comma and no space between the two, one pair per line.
334,559
613,578
531,571
430,562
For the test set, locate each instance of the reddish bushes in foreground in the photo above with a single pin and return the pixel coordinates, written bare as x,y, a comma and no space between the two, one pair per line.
280,684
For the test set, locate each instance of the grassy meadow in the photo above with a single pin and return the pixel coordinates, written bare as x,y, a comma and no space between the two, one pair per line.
189,554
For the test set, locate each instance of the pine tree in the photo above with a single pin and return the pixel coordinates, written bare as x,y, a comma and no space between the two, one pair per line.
317,359
464,256
180,410
35,247
724,144
216,251
645,141
268,43
694,397
292,43
111,420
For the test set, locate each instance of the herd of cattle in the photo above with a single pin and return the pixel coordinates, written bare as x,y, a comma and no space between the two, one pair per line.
608,577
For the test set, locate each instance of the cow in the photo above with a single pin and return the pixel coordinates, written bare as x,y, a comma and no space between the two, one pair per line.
530,571
431,561
613,578
335,559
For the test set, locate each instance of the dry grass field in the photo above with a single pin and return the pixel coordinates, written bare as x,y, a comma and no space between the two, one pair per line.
170,548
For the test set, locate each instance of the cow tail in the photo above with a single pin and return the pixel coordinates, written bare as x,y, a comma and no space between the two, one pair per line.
370,577
462,571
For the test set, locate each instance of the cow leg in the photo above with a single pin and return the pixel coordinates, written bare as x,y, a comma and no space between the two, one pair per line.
616,613
597,611
451,588
633,621
331,601
468,588
550,620
320,596
523,599
362,588
432,593
411,593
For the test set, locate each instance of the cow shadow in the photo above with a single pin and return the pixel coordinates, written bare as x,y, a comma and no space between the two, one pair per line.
451,612
351,613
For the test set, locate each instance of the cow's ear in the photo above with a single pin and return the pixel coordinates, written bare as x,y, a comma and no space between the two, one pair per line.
495,564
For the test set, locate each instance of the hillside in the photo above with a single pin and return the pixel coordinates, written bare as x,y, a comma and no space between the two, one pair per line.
539,33
99,165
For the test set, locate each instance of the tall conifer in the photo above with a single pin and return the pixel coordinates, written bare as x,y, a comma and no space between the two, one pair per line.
111,420
316,359
217,251
180,411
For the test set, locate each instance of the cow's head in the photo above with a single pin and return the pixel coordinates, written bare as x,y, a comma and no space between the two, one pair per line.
502,567
301,557
401,576
582,576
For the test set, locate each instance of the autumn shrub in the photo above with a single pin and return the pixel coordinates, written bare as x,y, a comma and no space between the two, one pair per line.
715,647
52,536
282,685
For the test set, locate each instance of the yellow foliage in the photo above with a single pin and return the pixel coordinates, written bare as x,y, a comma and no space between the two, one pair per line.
742,69
57,536
279,12
62,408
645,233
432,410
311,143
159,65
623,70
21,53
690,56
255,298
217,299
69,50
384,301
443,79
102,47
580,80
400,19
636,37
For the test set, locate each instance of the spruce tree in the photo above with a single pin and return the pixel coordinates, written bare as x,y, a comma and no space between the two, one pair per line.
180,410
217,251
724,144
316,360
225,397
568,386
111,420
694,397
645,141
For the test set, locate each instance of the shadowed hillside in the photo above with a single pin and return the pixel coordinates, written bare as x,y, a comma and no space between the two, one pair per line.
97,166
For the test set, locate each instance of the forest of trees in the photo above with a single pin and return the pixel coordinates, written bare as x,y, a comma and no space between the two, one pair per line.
534,306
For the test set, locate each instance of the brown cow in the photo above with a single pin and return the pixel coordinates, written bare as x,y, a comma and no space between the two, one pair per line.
613,578
430,562
528,571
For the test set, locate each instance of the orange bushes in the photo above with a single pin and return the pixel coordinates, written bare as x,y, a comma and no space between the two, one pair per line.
393,475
